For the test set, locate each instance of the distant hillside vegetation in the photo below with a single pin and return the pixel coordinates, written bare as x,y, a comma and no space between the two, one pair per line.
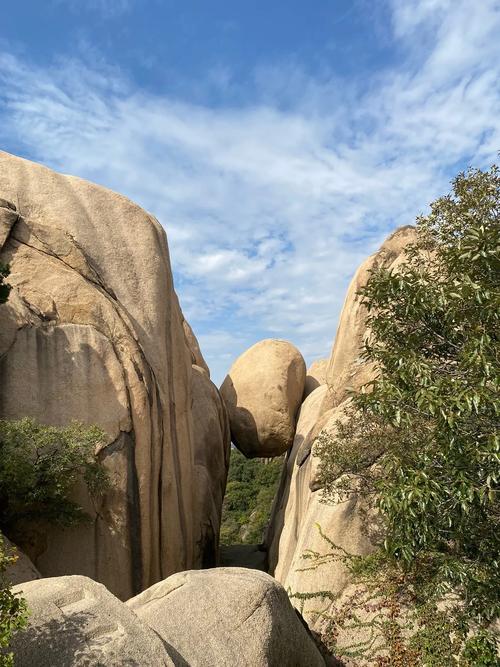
251,486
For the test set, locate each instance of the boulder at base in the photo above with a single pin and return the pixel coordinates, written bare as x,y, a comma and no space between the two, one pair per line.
226,617
262,392
74,622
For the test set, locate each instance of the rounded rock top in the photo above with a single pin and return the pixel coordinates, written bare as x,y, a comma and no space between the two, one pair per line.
263,391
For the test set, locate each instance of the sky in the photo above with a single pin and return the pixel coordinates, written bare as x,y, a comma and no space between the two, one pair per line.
278,143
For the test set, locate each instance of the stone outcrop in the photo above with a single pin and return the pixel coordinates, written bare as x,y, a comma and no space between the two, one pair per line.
240,617
346,370
75,622
93,331
315,376
298,510
262,392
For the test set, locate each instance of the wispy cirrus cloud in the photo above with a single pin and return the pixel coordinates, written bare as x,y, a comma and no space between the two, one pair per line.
271,201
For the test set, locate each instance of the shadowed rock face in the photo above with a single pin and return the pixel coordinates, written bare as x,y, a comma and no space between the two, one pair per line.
22,569
93,331
297,508
316,376
75,621
262,392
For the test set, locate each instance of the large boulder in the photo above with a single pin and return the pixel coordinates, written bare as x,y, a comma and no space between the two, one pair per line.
298,509
263,392
75,621
227,617
93,331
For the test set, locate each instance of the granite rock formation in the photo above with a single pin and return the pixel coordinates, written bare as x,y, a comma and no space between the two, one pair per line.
93,331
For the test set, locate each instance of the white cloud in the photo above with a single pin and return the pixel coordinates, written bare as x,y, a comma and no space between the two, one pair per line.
107,8
270,206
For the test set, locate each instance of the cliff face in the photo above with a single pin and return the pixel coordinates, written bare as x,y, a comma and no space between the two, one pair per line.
93,331
298,509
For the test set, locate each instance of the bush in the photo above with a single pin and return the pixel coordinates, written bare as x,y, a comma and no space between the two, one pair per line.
13,611
424,436
39,466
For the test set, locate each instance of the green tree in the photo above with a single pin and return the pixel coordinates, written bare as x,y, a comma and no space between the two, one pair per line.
39,466
423,437
251,486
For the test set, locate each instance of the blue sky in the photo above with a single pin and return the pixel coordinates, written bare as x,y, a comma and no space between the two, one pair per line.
277,142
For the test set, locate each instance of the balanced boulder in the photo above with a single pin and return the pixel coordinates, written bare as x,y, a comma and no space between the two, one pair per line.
263,392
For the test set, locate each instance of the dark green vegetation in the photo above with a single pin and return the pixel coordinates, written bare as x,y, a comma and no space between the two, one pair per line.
251,485
4,287
39,466
423,438
13,612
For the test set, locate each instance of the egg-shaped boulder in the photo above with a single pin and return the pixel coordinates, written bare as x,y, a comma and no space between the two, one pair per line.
263,391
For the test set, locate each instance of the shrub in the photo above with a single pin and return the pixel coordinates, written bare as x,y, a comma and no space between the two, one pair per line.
423,436
13,610
39,466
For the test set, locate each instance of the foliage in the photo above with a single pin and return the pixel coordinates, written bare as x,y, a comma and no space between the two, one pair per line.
13,610
423,437
251,486
39,466
4,287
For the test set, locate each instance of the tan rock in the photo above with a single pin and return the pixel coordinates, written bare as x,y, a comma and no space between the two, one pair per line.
23,569
75,621
316,376
262,392
212,443
93,331
346,370
194,347
227,617
298,510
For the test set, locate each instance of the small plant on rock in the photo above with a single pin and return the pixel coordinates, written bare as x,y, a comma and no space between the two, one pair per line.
13,610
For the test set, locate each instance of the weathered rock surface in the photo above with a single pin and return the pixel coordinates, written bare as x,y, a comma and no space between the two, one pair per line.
227,617
262,392
197,358
93,331
346,369
297,507
212,448
75,621
23,569
315,376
